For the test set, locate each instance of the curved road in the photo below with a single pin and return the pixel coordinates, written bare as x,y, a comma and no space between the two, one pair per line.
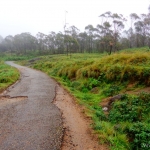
28,118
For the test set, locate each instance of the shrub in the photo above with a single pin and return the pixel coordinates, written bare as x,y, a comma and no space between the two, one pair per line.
130,108
111,90
133,109
139,135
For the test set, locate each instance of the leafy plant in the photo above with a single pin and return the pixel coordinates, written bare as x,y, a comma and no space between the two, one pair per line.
139,135
111,90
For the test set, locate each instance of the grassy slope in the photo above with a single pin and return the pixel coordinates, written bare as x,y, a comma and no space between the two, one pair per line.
8,75
93,77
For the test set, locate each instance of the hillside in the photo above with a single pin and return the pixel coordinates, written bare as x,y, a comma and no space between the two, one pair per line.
121,121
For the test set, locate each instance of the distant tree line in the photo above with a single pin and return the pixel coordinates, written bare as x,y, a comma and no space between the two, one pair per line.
110,35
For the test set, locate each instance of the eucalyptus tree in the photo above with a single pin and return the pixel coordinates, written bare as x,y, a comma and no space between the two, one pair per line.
50,42
91,33
124,42
70,39
71,43
24,43
28,42
83,41
74,32
148,27
9,41
104,34
1,39
55,42
117,20
126,37
2,45
41,41
59,41
111,27
131,35
142,28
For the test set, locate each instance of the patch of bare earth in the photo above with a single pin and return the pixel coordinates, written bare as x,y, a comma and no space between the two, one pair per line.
135,92
77,132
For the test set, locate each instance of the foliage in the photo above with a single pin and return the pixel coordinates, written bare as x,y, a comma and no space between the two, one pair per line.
139,135
131,109
111,90
135,111
105,37
8,75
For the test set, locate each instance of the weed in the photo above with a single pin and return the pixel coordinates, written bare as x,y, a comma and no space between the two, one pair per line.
111,90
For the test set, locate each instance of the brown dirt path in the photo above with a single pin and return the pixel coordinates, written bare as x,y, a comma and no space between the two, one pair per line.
78,135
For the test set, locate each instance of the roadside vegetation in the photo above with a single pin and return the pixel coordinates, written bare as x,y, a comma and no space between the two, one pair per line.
94,79
14,57
8,75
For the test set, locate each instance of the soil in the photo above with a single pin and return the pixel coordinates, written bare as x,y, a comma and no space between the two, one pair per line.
77,134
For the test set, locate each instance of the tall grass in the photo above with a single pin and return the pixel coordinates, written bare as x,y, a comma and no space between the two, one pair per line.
117,67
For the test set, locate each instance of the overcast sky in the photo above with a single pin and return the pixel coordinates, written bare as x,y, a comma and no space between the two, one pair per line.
17,16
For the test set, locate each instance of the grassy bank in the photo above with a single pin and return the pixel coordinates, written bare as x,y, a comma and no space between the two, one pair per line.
8,75
17,57
93,78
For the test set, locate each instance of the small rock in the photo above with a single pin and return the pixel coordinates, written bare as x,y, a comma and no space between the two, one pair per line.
105,108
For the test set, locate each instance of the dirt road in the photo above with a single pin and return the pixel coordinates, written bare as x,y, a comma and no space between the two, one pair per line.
28,118
77,132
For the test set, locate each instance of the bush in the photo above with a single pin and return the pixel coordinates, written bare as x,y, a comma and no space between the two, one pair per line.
139,135
111,90
133,109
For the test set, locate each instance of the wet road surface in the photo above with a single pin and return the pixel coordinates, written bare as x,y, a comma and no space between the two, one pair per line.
28,118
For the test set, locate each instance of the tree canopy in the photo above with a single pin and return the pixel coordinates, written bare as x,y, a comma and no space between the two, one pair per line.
110,35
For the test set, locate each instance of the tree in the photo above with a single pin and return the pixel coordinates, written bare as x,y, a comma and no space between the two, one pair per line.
142,28
41,40
1,39
60,42
50,42
9,40
111,26
90,31
133,18
83,41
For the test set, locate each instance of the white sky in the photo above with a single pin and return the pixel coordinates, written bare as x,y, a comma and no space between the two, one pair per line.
17,16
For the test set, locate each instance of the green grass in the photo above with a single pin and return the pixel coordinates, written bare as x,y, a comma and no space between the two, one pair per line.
17,57
8,75
94,77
